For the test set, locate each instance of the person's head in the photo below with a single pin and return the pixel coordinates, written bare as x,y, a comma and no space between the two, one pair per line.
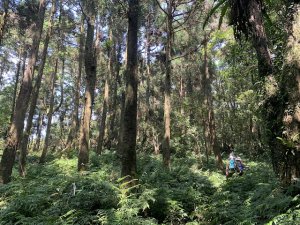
238,158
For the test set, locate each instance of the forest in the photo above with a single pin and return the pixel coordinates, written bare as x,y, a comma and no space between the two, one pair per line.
128,112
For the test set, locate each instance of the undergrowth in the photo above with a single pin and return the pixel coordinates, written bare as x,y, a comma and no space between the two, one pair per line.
189,193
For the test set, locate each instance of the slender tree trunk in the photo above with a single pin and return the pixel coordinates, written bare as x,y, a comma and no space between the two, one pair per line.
35,95
61,105
121,131
3,19
50,114
210,128
16,86
75,115
206,98
190,92
90,69
112,135
130,109
16,128
103,116
110,74
167,88
148,71
181,95
36,146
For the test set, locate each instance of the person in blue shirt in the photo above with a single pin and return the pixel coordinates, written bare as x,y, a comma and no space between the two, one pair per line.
231,166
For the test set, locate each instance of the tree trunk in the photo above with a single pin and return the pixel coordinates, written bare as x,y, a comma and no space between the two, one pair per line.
265,69
16,128
3,19
50,113
108,76
209,124
167,88
290,169
36,146
90,69
103,116
75,115
16,85
130,109
35,95
259,39
148,67
62,113
285,159
112,134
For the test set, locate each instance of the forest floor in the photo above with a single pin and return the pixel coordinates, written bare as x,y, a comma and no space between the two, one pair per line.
192,192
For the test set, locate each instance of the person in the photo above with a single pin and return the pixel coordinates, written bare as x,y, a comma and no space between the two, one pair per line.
239,166
235,164
231,165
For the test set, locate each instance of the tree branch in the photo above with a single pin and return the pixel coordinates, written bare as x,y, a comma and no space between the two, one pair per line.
161,7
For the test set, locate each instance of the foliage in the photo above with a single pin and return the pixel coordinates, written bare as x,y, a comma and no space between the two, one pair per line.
186,194
5,109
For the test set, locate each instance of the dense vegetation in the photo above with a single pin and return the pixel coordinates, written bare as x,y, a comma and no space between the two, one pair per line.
189,193
125,112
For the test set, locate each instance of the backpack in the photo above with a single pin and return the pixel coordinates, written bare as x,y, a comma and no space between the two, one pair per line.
231,164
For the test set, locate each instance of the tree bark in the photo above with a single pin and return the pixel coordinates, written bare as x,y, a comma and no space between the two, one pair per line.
50,114
290,168
265,70
209,121
285,159
259,39
35,95
16,85
130,110
16,128
90,69
167,87
36,146
75,115
112,134
111,73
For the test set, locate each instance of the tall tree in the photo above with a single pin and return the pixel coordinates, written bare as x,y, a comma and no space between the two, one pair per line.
129,122
91,70
167,85
39,128
209,123
35,94
21,55
50,112
16,128
75,115
289,156
247,18
107,84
